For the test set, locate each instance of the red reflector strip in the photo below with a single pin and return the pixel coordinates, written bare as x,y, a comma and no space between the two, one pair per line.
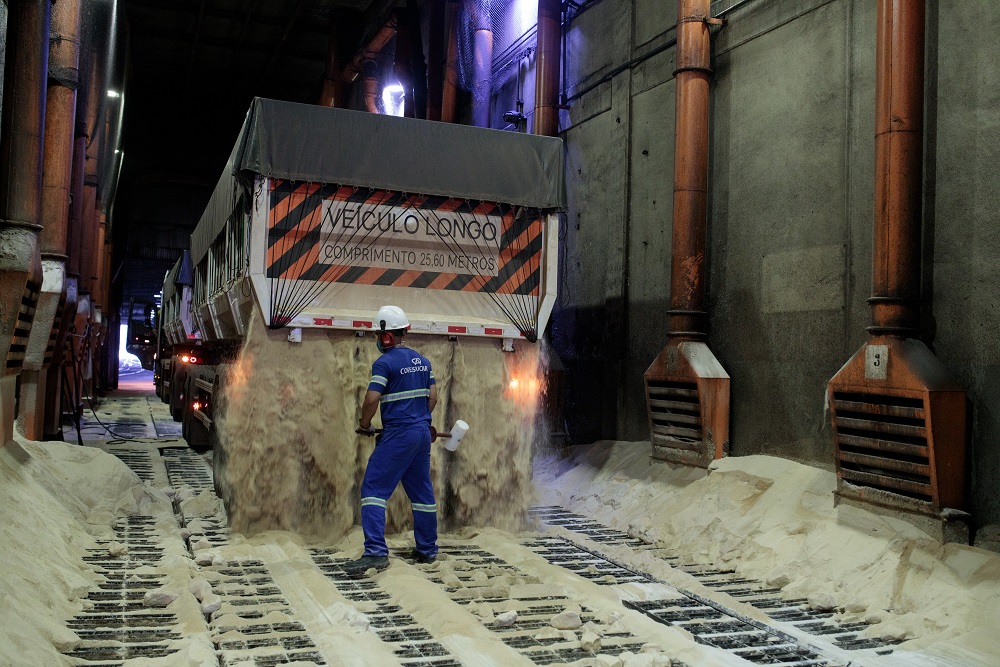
359,323
320,322
493,332
457,329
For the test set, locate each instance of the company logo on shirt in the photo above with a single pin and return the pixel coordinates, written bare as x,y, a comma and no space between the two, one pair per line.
415,368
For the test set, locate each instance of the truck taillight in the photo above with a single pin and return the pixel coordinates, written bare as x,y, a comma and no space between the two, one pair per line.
185,358
196,405
194,360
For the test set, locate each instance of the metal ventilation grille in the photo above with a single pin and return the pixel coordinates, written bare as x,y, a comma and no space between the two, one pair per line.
54,333
674,413
25,315
882,443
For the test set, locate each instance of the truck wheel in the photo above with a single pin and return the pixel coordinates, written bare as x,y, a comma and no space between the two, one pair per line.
177,396
198,437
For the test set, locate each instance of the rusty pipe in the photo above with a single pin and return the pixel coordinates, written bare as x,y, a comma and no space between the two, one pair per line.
899,119
332,93
482,60
547,54
356,67
449,96
21,151
687,317
370,91
418,66
402,65
60,117
88,262
435,59
75,222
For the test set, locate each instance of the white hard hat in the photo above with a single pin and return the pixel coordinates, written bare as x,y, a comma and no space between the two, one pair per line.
390,318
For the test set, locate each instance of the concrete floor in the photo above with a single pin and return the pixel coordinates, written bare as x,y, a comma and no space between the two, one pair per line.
282,600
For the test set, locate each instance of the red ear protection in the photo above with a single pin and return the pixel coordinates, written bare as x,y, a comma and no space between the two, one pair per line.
386,339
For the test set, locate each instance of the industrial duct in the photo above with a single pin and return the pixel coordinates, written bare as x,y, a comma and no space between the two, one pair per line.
687,390
547,54
60,116
26,68
481,25
899,418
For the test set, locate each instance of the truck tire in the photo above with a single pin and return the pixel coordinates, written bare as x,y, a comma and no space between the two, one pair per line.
177,395
198,438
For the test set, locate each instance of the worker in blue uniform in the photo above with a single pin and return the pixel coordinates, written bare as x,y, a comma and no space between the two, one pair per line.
402,384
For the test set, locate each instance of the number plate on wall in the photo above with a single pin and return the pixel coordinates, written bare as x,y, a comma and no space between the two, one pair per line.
876,362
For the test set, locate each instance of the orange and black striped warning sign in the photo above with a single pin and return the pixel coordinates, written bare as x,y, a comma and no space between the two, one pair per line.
341,234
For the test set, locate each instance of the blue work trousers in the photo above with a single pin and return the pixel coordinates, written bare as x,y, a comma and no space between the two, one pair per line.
401,455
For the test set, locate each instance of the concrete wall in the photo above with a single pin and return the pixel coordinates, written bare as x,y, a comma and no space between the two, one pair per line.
791,200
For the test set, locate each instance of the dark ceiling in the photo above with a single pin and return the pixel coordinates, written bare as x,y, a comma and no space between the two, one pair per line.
192,69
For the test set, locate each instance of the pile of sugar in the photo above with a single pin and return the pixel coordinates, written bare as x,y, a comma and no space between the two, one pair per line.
775,521
288,457
55,501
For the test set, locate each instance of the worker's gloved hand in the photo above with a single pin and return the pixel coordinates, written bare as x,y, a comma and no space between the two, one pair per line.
365,431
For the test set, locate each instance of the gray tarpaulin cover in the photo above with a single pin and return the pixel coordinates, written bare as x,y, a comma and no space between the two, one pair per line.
305,142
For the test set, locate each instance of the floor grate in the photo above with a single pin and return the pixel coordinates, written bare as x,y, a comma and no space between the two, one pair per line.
234,586
534,612
184,467
412,644
117,626
755,593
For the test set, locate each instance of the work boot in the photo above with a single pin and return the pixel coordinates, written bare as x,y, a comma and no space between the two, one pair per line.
365,563
420,558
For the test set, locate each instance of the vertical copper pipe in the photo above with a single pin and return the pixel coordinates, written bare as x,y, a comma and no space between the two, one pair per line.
332,93
99,264
418,65
404,47
60,116
899,120
356,67
75,249
370,91
21,143
687,268
547,54
482,60
435,59
88,262
449,98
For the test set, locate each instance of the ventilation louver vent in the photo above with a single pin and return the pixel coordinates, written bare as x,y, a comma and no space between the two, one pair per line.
25,316
881,443
54,332
675,415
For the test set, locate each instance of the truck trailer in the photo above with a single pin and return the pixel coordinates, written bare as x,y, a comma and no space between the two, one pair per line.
323,215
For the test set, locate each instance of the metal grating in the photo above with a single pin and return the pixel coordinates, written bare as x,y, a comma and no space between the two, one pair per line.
184,467
22,329
881,443
118,627
674,414
50,347
749,591
412,644
139,461
533,612
246,583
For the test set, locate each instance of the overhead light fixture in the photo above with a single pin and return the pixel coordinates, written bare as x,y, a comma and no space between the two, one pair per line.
114,93
393,99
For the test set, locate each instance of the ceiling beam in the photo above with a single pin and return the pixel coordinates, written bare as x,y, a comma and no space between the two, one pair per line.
194,44
243,33
138,7
284,38
258,47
